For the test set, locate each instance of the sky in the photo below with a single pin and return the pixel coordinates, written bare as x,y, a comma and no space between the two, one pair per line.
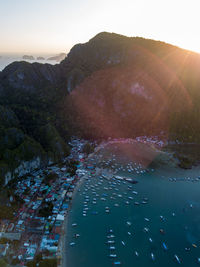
54,26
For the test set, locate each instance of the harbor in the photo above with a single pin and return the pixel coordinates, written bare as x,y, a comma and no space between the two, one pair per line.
151,221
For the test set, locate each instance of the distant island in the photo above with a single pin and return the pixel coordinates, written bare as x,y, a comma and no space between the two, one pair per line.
40,58
27,57
58,58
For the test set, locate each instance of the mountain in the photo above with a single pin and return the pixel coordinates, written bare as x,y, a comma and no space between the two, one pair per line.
131,86
111,86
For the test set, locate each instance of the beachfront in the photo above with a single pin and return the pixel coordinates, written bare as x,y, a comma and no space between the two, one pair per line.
153,222
43,223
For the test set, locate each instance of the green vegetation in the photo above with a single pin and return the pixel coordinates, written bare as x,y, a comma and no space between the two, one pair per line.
8,118
48,263
52,141
38,115
15,261
185,163
38,261
72,167
88,148
7,212
46,210
3,263
187,155
51,177
4,240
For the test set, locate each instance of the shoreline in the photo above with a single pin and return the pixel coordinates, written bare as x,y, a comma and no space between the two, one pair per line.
63,247
63,240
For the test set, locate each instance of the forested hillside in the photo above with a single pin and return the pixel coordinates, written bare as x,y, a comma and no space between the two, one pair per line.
110,86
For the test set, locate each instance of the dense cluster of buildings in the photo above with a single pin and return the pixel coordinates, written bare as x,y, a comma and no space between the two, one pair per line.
38,224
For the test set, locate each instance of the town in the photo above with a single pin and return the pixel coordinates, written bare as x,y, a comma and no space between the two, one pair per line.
32,226
43,199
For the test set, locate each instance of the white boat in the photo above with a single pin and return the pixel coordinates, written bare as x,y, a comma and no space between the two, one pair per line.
112,255
77,235
136,253
110,241
177,259
165,246
123,243
110,236
152,256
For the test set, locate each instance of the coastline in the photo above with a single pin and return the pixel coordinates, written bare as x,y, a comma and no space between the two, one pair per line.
63,240
98,171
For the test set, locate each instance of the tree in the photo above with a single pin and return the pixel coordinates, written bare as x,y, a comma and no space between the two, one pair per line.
48,263
88,148
15,261
32,264
3,263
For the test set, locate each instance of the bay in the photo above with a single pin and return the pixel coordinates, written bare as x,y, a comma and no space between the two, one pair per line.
178,204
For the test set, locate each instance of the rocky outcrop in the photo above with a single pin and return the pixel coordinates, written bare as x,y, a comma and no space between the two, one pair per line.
21,154
28,156
24,168
21,159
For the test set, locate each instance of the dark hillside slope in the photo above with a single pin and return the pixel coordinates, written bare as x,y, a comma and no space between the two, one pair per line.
133,86
112,85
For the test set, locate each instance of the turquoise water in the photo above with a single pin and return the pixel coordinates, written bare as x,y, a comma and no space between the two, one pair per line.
164,199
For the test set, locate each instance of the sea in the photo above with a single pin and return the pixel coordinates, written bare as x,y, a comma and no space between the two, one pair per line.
149,223
5,60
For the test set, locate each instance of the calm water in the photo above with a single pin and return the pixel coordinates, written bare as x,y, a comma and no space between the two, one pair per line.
164,198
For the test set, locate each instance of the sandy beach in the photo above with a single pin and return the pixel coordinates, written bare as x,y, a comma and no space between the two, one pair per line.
62,246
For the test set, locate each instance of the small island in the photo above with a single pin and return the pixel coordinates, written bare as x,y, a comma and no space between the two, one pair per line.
40,58
27,57
58,58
